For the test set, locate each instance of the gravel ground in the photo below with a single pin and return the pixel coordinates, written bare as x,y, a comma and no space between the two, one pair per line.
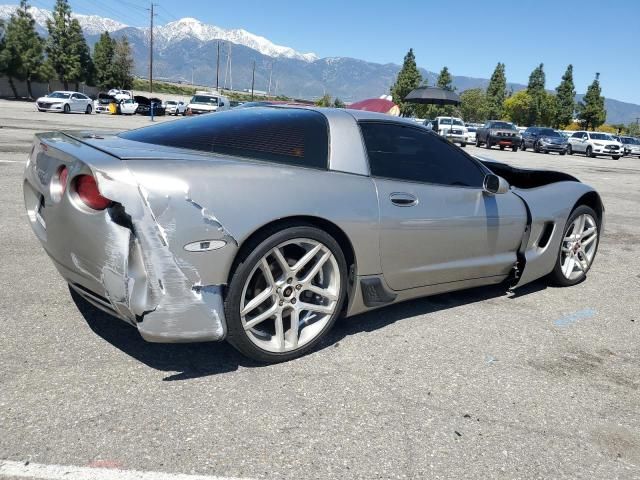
476,384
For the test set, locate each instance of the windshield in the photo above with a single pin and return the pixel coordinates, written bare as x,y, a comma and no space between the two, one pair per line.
447,121
171,102
504,125
600,136
630,140
549,132
205,100
58,95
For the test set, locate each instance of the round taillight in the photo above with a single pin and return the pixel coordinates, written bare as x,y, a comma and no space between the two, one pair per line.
87,191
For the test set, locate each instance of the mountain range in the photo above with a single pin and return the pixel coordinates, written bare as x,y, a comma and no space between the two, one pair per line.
186,49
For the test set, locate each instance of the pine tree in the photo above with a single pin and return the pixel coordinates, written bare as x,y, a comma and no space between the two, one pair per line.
496,92
537,93
62,49
473,105
81,49
24,49
565,100
103,60
337,103
591,111
3,63
408,79
445,80
123,64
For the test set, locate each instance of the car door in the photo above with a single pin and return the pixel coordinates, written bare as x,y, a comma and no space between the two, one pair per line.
579,141
437,224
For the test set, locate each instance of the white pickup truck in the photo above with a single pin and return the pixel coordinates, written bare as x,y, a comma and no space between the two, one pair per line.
207,102
452,128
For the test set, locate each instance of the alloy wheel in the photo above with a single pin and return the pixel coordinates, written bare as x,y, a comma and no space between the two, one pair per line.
579,247
290,295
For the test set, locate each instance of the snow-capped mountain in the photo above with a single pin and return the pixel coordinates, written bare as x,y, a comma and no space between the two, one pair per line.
186,28
91,24
192,28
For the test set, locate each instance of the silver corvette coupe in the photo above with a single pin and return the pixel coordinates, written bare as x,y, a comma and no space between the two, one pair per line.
261,226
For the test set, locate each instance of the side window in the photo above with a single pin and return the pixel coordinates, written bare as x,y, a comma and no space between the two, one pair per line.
74,96
409,153
577,135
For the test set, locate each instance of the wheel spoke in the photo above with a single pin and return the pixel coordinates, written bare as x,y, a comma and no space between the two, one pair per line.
306,258
279,336
323,292
266,269
293,331
257,300
316,268
588,241
580,225
588,232
284,265
568,267
583,263
262,317
311,307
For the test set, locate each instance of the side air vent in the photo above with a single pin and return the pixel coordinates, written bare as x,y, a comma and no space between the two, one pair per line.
545,236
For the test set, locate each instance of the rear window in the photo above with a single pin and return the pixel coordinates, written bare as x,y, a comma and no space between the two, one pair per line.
281,135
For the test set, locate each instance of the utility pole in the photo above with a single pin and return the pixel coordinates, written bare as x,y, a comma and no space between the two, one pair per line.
270,74
151,47
253,78
218,67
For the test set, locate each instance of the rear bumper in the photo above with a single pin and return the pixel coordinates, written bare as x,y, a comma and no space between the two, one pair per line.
121,265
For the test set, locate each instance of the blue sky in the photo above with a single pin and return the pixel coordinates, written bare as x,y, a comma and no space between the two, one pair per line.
470,37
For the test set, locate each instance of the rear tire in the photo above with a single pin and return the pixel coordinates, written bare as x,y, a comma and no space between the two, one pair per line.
487,145
514,149
562,153
274,339
616,157
523,146
478,144
501,147
583,254
569,150
463,144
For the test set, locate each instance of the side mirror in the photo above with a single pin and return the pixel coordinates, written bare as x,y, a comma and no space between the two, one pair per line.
493,184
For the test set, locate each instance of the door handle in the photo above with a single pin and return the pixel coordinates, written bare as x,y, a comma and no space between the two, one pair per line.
403,199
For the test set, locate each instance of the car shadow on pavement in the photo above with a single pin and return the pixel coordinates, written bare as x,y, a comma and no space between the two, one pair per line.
194,360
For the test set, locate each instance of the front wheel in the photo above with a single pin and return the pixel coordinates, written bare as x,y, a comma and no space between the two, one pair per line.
569,150
488,144
589,152
514,148
616,157
578,247
463,144
286,294
66,108
523,146
501,147
88,110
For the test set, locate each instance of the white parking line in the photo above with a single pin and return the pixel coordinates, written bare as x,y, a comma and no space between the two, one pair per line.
13,161
61,472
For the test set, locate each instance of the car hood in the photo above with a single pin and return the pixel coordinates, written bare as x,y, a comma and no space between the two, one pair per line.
554,140
51,100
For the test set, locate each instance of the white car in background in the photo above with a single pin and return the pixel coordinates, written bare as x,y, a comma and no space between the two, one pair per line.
207,102
128,106
593,144
173,107
65,102
451,128
471,134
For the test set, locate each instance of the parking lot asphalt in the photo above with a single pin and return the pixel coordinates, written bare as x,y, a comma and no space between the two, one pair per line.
543,383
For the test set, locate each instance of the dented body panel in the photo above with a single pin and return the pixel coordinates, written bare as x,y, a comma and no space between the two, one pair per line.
160,256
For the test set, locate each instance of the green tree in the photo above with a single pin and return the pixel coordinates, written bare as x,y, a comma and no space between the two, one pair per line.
408,79
473,105
633,129
81,49
445,80
496,92
516,108
337,103
103,59
61,45
324,101
591,111
565,100
123,64
537,94
24,49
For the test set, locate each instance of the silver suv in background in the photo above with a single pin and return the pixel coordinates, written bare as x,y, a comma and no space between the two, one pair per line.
174,107
593,144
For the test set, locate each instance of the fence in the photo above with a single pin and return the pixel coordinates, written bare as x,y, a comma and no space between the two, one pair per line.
39,89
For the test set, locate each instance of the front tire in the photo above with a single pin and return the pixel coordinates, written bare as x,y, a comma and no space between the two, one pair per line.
589,152
578,247
569,150
616,157
487,145
88,110
66,108
285,294
463,144
514,149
